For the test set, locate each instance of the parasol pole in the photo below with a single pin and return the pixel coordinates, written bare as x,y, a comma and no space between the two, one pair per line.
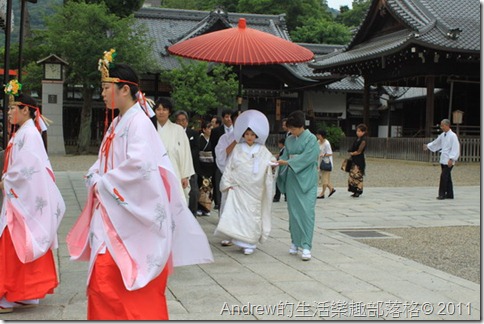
239,95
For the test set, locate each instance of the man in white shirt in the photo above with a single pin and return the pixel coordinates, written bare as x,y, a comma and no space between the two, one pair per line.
176,143
449,147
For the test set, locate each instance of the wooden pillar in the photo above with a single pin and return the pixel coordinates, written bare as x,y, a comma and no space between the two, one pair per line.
429,112
6,69
156,93
366,104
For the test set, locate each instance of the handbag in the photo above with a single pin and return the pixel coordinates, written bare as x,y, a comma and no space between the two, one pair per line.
326,166
346,165
205,198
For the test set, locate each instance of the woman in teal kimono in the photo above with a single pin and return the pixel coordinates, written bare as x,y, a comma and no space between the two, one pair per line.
298,179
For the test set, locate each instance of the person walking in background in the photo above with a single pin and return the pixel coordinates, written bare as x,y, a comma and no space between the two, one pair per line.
285,131
181,118
216,121
135,225
217,132
223,150
32,210
247,182
326,154
280,144
357,153
298,179
449,147
207,171
176,143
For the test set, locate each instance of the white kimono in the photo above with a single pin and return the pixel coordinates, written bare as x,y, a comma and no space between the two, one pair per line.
247,181
177,145
221,150
135,208
33,206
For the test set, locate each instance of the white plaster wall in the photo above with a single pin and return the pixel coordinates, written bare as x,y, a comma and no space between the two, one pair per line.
325,102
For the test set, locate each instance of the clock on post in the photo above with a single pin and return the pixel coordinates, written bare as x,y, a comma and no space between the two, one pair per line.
52,100
53,68
53,71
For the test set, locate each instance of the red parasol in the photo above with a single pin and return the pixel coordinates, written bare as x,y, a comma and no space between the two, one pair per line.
241,46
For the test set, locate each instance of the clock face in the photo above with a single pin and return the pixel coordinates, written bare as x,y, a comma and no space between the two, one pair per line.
53,71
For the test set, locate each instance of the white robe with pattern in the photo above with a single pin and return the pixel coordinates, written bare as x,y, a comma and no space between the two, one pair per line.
135,208
33,206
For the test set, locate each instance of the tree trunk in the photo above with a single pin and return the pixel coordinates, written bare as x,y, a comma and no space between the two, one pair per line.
84,140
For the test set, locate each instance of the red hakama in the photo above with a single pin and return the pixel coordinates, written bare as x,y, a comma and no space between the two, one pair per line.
22,281
108,298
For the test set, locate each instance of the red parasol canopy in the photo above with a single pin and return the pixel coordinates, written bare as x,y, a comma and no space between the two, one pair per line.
241,46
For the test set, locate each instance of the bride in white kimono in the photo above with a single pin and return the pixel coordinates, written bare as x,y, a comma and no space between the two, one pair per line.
248,183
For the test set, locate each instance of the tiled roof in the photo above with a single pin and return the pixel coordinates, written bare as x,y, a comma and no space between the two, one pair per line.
406,93
364,51
348,84
166,27
357,84
451,25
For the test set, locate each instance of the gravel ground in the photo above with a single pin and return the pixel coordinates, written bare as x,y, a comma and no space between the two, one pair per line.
455,250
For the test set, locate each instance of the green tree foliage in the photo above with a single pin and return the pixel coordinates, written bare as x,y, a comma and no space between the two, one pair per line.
208,5
297,12
354,17
80,33
228,5
120,8
321,31
199,87
334,134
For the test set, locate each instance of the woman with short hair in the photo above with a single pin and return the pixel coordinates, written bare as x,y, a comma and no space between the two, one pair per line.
298,179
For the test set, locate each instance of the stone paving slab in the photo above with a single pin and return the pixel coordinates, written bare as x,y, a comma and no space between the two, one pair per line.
345,280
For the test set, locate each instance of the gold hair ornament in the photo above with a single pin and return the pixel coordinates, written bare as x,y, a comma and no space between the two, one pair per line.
105,64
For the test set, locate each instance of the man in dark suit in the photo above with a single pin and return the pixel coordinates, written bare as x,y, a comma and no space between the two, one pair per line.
181,118
214,137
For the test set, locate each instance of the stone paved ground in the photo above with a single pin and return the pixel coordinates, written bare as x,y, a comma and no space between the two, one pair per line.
455,250
344,272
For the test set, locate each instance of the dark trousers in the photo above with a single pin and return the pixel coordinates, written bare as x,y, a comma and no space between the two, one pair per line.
216,187
446,188
277,196
193,195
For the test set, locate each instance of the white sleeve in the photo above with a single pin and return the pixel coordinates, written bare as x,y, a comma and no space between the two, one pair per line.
328,148
221,153
455,149
436,144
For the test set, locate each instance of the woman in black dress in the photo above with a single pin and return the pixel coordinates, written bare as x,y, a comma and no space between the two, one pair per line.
207,169
357,152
